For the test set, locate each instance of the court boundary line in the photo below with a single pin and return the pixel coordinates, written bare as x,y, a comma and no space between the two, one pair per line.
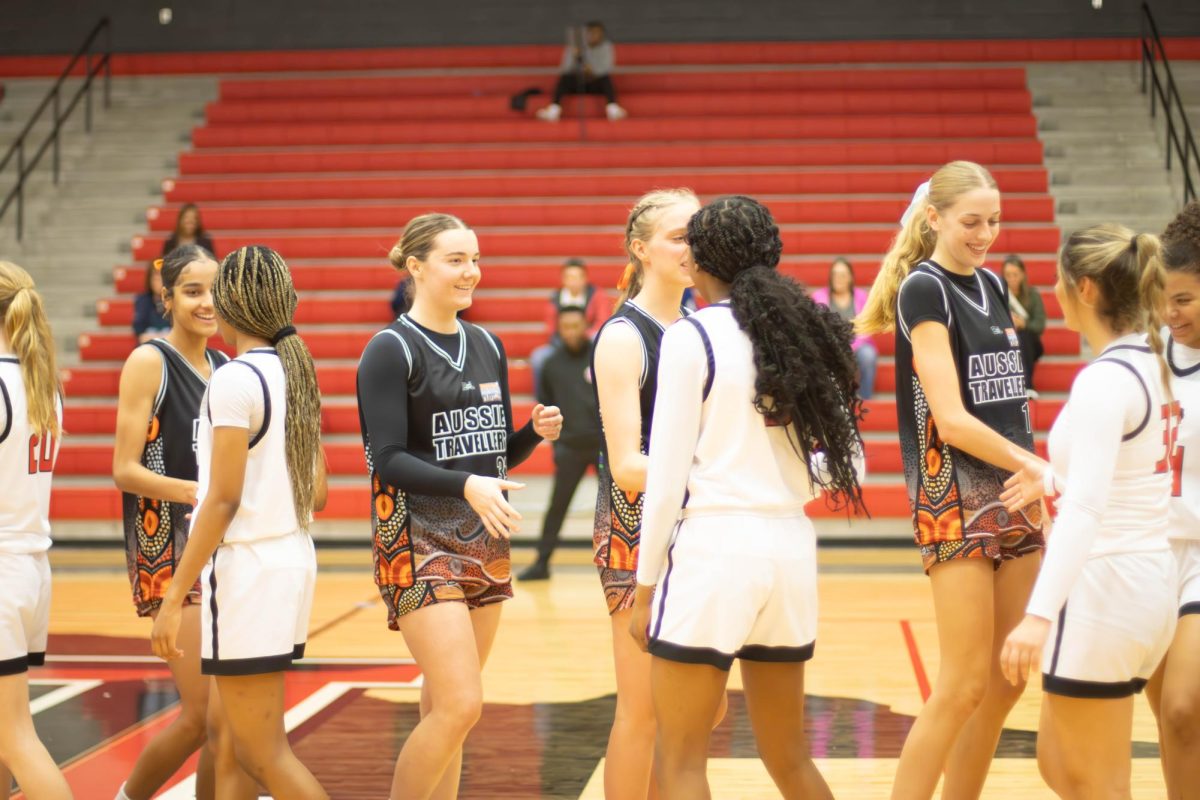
914,655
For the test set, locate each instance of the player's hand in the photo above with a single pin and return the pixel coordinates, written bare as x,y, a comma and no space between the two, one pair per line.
486,496
190,488
166,631
1018,322
1022,650
639,623
1025,486
547,422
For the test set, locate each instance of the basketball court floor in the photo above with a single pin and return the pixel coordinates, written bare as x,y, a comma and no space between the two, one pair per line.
548,687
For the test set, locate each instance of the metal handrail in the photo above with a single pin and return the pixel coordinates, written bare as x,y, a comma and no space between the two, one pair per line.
93,65
1180,144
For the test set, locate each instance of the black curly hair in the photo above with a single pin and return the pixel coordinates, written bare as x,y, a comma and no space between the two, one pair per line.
807,376
1181,241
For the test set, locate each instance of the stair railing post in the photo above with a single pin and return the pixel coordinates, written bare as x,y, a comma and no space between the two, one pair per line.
57,134
87,87
20,187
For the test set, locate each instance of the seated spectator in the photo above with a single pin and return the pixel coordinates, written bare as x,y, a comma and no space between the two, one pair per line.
566,382
848,300
402,297
574,290
189,230
1028,313
150,319
586,69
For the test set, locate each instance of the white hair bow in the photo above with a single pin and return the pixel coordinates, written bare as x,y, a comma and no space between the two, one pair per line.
920,196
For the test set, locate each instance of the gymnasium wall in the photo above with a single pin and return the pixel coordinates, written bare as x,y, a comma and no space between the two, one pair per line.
57,26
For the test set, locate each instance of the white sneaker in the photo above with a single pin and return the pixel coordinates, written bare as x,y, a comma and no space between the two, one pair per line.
1032,394
614,112
550,113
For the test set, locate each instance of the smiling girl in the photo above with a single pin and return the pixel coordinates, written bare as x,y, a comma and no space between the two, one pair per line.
960,398
436,419
154,465
1175,690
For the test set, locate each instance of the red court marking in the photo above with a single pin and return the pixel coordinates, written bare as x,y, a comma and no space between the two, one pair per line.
915,655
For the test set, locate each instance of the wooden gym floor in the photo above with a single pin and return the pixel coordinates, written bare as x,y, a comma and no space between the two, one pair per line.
548,687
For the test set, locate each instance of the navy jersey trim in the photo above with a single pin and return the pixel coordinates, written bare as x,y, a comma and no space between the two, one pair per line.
691,655
1058,637
266,423
666,585
1091,690
1145,419
1189,608
212,604
260,665
8,410
1178,372
777,654
708,355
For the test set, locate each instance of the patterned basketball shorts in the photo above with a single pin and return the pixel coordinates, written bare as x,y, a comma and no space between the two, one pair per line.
615,537
155,535
434,550
997,548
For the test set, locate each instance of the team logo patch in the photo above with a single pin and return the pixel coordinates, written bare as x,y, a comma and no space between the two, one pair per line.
996,330
491,392
467,386
1012,337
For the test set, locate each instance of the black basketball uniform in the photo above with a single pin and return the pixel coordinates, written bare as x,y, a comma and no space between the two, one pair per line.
955,497
618,522
157,530
430,548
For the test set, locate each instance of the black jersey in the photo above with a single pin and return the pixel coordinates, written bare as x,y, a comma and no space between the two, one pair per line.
454,417
952,493
618,513
156,530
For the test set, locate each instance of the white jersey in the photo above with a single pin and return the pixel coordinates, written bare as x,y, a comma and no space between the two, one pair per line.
1185,458
1109,454
711,452
26,467
250,392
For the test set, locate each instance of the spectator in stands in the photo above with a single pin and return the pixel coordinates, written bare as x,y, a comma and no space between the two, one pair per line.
574,290
847,300
1028,313
566,382
402,297
586,69
150,319
189,230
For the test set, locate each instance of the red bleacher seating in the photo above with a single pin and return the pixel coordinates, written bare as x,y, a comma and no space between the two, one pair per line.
328,169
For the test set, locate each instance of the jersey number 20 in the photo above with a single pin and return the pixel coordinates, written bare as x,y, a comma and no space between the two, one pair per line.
41,454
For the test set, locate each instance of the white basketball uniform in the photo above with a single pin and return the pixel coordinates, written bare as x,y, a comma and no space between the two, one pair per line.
26,466
258,586
1108,580
736,571
1184,527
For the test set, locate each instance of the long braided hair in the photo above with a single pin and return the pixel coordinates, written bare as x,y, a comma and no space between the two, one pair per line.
806,370
253,292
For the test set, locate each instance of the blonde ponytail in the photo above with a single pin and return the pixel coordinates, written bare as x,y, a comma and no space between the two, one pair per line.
28,333
1152,295
641,225
916,241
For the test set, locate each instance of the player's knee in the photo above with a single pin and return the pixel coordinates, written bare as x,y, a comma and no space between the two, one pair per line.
1181,720
193,722
462,709
1004,694
256,756
960,699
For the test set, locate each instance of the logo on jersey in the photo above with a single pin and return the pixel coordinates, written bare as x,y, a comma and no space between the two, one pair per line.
996,330
995,377
491,392
1012,337
467,386
469,431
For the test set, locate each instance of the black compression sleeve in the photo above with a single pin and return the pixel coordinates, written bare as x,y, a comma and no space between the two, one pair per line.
383,399
522,443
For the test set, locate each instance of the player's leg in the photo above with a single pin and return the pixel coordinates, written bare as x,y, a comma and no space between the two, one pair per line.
775,701
167,751
630,754
1179,710
686,699
441,638
963,591
253,707
21,751
231,782
485,621
971,756
1086,749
